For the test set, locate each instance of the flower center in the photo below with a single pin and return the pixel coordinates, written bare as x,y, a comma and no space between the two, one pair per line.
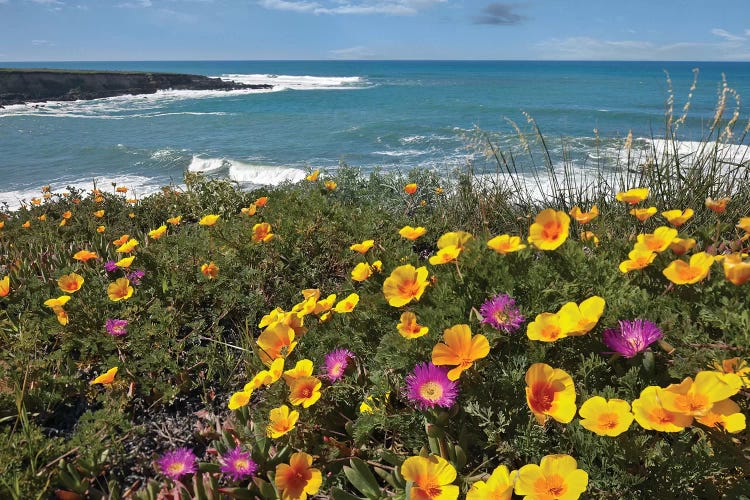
431,391
551,230
551,332
692,403
408,288
337,370
552,486
306,392
608,420
500,316
542,396
241,464
176,467
661,416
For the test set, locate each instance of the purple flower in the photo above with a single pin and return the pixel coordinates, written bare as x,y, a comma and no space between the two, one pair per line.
110,266
501,312
631,337
429,386
177,463
336,363
237,464
135,276
116,327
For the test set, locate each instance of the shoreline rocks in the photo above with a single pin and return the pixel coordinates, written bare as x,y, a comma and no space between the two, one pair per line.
21,86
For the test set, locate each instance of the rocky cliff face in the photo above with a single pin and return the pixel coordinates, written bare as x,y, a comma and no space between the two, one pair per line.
22,86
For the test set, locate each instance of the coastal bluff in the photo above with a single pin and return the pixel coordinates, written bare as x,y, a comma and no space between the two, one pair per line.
19,86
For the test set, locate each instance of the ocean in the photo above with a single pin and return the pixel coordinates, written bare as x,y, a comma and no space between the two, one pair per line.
368,114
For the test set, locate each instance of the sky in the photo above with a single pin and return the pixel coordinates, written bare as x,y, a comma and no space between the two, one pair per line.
122,30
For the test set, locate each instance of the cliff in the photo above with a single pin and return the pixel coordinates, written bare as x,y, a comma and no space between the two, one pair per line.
18,86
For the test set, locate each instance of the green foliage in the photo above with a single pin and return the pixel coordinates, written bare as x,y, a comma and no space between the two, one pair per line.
191,338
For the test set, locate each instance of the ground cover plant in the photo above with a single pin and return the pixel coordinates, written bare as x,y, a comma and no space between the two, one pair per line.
385,335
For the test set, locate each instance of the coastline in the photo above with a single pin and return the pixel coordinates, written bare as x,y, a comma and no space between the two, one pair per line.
23,86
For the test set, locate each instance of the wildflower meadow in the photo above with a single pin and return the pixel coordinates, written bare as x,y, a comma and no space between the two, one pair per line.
383,336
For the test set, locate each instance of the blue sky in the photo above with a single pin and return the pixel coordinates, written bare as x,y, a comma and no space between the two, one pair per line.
78,30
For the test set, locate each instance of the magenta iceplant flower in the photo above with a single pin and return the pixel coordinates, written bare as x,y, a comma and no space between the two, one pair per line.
631,337
135,276
116,327
237,464
501,313
337,362
177,463
110,266
428,386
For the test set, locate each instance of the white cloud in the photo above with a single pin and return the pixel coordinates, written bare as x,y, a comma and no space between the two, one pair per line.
137,4
40,43
343,7
48,2
727,35
3,1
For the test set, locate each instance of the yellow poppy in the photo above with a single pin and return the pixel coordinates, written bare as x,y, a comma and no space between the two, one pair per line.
5,286
313,176
658,241
409,328
127,247
348,304
406,283
549,230
651,414
362,247
297,479
550,393
680,272
85,255
361,272
120,290
632,196
158,232
718,206
584,217
208,220
125,262
556,477
281,421
678,217
499,486
210,270
431,478
330,185
412,233
445,255
505,244
579,319
304,391
105,378
637,259
262,233
606,418
459,349
410,188
70,283
457,239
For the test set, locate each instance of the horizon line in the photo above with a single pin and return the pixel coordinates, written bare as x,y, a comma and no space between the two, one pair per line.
377,60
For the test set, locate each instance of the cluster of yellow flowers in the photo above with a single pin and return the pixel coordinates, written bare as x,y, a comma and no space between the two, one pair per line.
556,476
550,393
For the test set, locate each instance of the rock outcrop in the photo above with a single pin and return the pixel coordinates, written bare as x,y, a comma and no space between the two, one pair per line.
18,86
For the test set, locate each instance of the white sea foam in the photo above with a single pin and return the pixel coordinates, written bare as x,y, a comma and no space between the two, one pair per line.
401,152
124,106
138,186
263,174
298,82
248,173
690,151
199,164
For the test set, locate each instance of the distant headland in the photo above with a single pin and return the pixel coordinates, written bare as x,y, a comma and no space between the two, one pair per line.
20,86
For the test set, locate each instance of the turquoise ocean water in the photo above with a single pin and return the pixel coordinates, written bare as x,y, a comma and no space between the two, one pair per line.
388,114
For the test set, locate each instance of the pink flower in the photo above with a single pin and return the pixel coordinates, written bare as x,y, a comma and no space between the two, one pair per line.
336,363
429,386
237,464
177,463
116,327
